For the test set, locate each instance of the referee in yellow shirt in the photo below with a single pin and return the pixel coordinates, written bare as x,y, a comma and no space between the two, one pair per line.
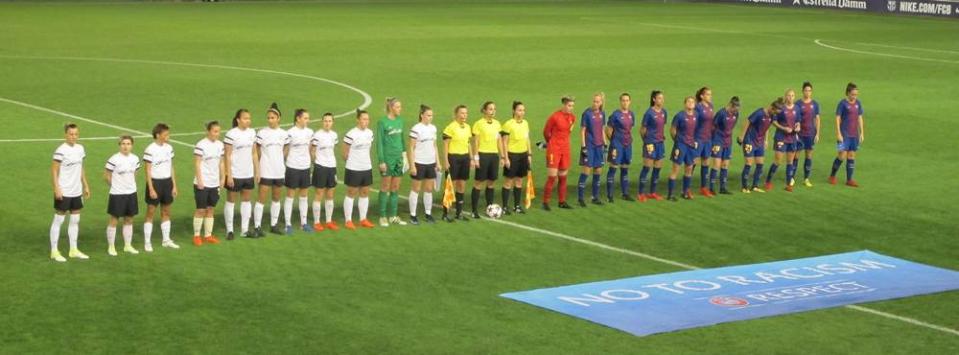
519,157
456,157
486,142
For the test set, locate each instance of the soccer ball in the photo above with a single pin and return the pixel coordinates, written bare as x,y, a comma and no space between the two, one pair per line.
494,211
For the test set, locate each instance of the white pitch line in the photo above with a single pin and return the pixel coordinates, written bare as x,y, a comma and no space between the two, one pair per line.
819,42
367,99
563,236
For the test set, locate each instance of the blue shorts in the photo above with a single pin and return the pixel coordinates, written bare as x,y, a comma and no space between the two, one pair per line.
807,143
849,144
620,155
782,146
684,154
705,149
654,151
593,157
753,151
718,151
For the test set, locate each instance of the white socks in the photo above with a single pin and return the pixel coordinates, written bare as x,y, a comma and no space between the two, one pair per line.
208,226
414,198
198,226
55,230
274,212
147,233
288,210
329,210
364,206
165,230
428,202
257,214
228,216
73,230
317,211
304,203
348,208
111,235
127,235
245,211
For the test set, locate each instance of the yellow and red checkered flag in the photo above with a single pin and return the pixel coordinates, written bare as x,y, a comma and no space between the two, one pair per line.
530,190
449,195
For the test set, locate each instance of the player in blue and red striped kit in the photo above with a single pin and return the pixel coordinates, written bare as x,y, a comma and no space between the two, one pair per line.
619,129
786,140
593,140
685,147
850,133
808,130
753,140
652,130
722,151
704,134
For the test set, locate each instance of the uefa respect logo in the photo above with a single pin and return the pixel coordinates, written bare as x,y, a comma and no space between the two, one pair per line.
728,301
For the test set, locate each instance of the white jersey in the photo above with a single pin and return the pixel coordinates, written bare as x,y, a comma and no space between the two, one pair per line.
299,155
271,142
160,158
241,159
123,170
424,151
210,152
360,141
71,169
325,143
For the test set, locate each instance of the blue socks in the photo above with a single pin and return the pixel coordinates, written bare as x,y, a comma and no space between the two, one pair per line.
655,179
712,179
624,181
581,186
610,176
703,173
850,168
746,170
672,186
687,180
642,178
596,178
807,168
835,166
772,171
723,176
757,175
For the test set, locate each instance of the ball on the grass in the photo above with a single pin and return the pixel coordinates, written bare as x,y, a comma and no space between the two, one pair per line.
494,211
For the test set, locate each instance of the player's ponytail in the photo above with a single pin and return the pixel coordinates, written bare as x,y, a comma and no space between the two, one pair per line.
652,97
423,110
390,101
485,106
275,109
700,92
734,102
850,87
159,128
236,117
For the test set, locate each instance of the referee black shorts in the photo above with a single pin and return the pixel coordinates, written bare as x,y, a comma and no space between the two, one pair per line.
488,167
518,165
459,166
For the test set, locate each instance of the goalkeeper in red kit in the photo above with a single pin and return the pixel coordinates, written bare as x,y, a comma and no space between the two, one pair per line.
557,130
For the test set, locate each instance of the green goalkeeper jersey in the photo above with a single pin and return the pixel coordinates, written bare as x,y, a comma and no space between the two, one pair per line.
390,147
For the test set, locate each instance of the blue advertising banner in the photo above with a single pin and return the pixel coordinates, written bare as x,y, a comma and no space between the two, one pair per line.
668,302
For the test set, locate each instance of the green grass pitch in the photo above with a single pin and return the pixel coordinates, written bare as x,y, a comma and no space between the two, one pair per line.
433,289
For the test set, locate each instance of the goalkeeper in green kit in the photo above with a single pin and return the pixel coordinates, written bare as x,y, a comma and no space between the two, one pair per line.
391,154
